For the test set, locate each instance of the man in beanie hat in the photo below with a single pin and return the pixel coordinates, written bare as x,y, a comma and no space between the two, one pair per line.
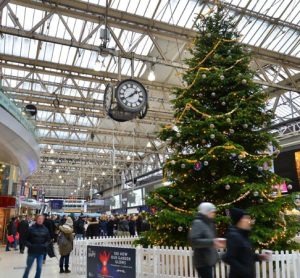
203,240
65,244
240,255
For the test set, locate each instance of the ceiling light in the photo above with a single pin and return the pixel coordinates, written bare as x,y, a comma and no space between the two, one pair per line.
128,157
3,166
49,147
95,178
83,186
71,193
75,190
97,66
103,173
114,167
57,171
52,162
151,75
52,151
89,182
60,177
68,110
149,144
62,181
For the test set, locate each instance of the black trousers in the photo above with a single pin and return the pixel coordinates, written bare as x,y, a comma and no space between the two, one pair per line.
64,260
205,272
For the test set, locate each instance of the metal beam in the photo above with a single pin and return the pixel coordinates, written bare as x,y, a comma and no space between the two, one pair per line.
72,69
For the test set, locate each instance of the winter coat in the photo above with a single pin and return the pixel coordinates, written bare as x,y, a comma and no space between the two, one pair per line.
79,227
65,240
110,228
49,224
12,228
240,255
202,237
139,225
103,227
132,227
123,226
93,229
37,239
22,230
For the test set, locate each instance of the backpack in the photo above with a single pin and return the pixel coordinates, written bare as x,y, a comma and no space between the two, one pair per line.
62,240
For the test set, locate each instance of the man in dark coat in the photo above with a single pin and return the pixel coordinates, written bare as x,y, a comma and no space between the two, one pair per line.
93,229
240,255
110,226
50,225
22,230
79,227
37,241
204,242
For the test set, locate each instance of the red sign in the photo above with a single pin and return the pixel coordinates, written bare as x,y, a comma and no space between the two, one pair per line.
7,202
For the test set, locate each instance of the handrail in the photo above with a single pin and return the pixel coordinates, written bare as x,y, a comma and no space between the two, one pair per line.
12,109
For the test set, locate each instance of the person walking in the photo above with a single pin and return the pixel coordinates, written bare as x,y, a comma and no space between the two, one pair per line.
49,224
203,240
240,255
12,231
65,244
22,230
37,240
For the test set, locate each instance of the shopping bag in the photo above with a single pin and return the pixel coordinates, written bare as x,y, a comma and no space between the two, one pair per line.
10,239
17,236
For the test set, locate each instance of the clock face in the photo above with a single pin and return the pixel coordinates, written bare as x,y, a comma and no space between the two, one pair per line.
131,95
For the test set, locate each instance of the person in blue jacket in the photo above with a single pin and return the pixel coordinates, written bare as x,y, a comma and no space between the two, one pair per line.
37,240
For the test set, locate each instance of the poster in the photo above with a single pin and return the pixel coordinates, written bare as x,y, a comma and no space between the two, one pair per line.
111,262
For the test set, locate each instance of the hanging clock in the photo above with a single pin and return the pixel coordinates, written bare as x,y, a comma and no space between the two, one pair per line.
108,97
131,95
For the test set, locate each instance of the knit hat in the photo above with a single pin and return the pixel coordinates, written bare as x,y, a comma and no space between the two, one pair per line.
236,215
69,222
205,208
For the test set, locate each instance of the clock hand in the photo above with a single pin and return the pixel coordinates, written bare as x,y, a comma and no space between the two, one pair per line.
132,94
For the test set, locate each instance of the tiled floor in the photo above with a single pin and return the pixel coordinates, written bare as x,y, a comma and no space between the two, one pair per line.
12,265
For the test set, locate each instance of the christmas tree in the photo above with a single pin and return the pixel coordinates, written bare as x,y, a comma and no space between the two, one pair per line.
221,149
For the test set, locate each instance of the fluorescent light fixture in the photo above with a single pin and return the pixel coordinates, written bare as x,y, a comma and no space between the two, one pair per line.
97,66
151,75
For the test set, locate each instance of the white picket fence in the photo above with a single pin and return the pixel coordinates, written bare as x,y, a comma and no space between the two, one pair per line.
172,262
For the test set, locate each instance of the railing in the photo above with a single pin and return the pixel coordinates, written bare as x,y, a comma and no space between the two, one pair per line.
173,262
12,109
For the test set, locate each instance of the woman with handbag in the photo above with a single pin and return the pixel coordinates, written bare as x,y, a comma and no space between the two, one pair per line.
65,244
11,234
